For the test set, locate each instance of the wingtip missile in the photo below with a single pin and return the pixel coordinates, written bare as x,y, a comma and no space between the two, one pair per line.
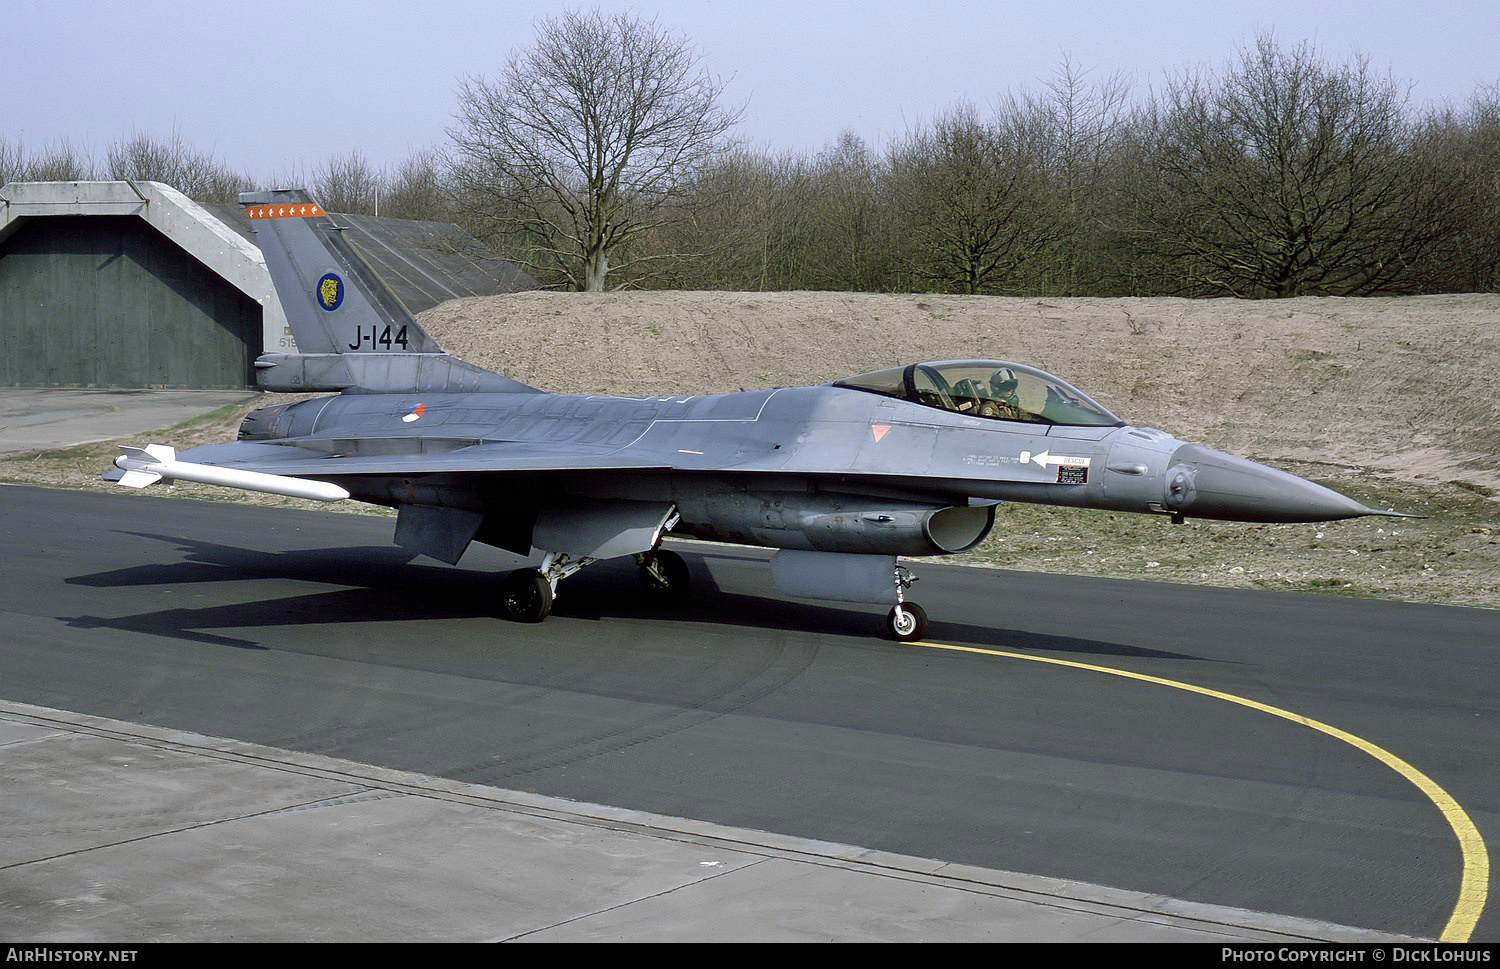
157,462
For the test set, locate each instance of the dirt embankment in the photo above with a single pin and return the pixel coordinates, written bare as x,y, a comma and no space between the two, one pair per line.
1393,401
1410,386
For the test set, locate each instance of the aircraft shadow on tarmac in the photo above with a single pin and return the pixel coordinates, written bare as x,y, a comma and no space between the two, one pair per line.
382,584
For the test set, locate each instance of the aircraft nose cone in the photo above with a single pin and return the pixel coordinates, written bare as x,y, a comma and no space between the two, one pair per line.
1204,483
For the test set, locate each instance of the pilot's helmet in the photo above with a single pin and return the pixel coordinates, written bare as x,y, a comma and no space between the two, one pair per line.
1003,382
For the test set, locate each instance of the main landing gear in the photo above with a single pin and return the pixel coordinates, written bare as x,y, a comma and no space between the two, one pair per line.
526,595
907,621
664,574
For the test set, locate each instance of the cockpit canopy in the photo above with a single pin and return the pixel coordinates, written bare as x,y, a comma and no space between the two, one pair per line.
987,388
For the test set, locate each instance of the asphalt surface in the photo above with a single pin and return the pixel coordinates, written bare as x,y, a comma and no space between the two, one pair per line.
308,632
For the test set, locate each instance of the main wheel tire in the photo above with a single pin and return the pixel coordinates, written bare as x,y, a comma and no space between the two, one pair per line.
526,596
670,577
906,622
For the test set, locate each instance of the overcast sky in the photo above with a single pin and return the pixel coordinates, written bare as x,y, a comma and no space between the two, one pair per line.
271,85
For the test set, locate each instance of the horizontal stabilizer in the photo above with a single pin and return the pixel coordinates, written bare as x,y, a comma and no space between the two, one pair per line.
384,373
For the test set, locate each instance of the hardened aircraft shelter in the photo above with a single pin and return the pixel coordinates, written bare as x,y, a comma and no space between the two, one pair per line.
130,284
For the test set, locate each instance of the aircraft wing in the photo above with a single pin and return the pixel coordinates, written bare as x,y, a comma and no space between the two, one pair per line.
409,456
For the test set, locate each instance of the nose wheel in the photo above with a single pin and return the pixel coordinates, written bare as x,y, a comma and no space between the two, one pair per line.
907,622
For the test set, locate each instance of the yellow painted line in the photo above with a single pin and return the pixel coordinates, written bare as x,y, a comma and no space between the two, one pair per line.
1473,890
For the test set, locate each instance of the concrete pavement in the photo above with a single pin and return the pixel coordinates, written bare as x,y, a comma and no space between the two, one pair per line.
35,419
120,832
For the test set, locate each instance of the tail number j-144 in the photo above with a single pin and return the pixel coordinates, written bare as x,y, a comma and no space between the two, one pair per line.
374,336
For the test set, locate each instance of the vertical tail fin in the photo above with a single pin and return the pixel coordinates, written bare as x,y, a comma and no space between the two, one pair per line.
351,331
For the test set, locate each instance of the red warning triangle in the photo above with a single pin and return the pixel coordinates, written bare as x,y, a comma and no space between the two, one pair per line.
879,430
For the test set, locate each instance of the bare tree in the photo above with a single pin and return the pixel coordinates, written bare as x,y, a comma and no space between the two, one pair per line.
847,222
586,139
12,160
173,161
1084,121
972,196
419,189
349,184
748,225
1467,143
1289,176
59,161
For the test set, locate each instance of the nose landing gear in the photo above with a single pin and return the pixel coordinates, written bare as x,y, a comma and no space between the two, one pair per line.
907,621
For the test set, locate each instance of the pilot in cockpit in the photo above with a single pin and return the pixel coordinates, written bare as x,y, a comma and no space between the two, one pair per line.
1004,399
996,397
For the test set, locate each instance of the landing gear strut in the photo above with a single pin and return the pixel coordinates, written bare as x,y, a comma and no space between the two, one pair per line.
907,621
664,574
603,529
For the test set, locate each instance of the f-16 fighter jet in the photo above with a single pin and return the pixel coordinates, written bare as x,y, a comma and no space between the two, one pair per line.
841,478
